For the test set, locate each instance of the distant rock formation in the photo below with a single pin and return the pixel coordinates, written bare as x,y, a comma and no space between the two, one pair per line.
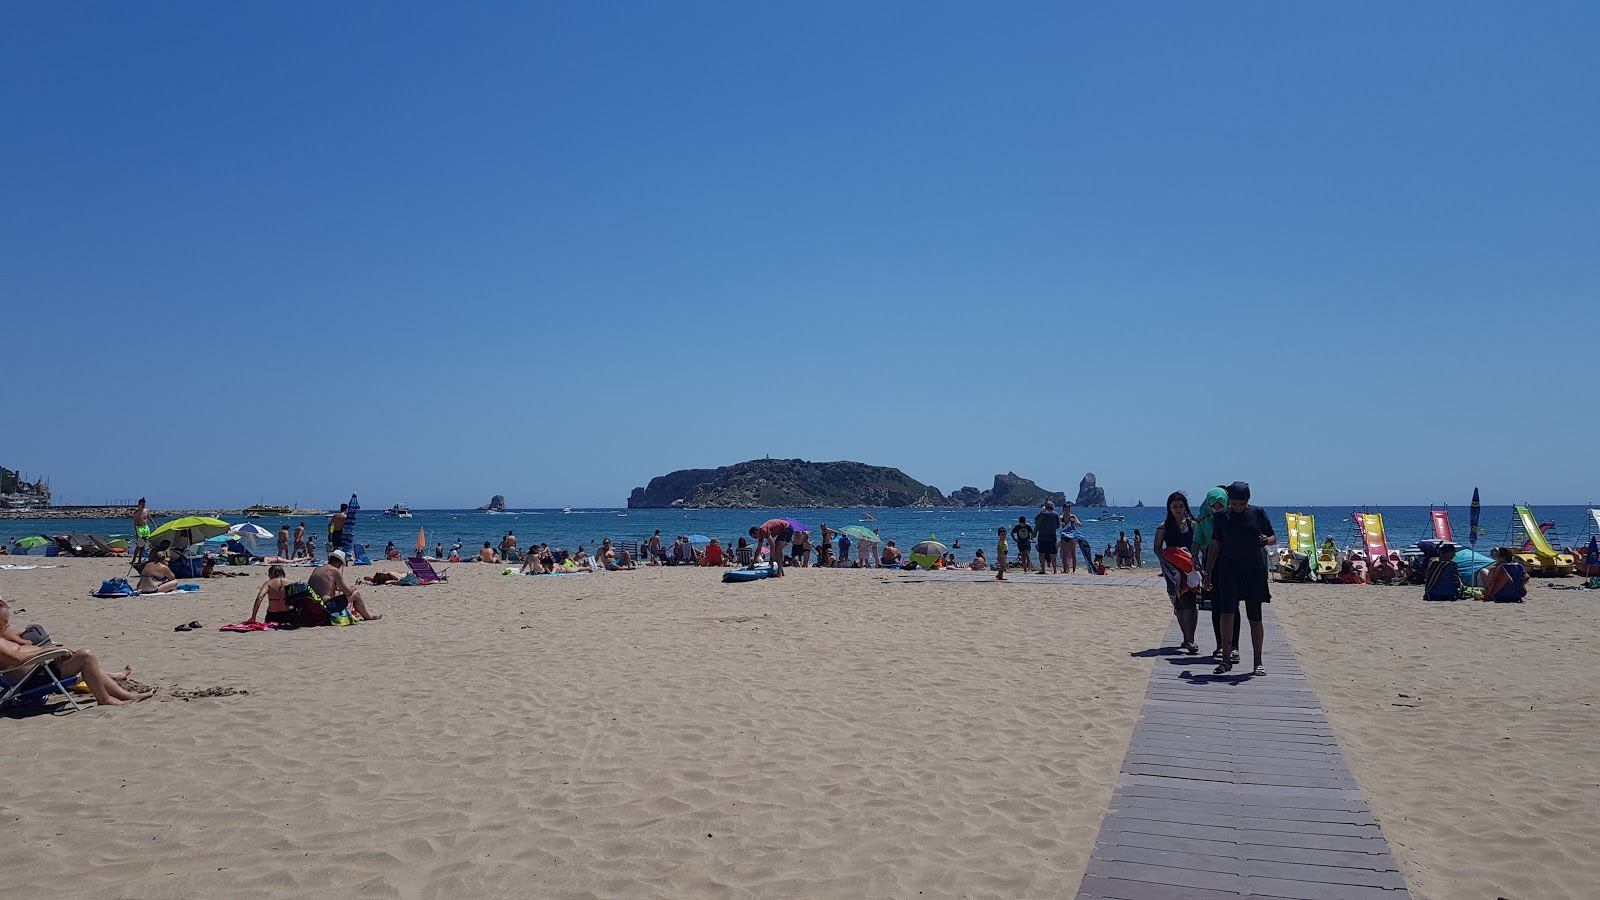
1012,489
793,483
797,483
1090,494
495,504
1139,505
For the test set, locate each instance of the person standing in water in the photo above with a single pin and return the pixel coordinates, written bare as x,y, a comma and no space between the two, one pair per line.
283,541
1000,550
299,540
1236,569
1175,539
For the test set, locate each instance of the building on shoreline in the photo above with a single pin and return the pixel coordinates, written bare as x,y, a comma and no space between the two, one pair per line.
17,493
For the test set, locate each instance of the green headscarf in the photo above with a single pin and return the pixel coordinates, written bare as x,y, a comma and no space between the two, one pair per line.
1202,521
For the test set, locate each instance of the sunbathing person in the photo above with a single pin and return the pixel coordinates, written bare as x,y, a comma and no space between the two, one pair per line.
329,584
1506,581
377,578
979,564
624,561
892,556
105,687
156,577
533,564
279,611
1383,570
487,554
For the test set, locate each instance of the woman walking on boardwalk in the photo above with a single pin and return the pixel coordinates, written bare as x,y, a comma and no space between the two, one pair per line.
1175,550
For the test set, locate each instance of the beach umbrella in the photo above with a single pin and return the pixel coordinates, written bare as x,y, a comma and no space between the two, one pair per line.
861,533
928,553
699,539
28,543
422,542
798,525
250,530
1476,509
200,529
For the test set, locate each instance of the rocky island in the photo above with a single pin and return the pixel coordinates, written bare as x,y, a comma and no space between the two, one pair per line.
801,484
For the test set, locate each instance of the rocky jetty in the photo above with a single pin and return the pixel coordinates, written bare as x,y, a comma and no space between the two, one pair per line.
1089,493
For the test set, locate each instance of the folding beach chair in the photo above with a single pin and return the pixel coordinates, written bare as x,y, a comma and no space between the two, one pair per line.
424,570
13,681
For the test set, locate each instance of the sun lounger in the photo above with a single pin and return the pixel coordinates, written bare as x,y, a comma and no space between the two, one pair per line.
15,687
424,570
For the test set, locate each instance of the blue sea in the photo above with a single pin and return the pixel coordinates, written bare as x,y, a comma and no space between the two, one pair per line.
971,527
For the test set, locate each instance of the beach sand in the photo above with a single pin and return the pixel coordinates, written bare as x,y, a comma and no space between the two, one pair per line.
644,734
1471,728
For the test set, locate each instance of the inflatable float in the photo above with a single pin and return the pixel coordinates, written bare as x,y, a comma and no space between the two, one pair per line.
749,573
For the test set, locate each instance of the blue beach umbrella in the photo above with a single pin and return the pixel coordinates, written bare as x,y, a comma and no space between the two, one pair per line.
1472,534
699,539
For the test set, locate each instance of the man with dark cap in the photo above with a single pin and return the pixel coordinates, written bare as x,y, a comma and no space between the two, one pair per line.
1236,570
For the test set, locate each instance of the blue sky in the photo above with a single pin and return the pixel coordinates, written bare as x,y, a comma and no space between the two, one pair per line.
1347,252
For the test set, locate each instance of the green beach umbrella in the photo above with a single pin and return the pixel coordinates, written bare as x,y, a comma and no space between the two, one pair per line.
928,553
861,532
199,527
28,543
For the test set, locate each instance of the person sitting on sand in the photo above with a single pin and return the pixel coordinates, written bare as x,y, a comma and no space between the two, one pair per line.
1100,565
329,584
487,554
979,563
532,564
892,555
107,688
583,561
1383,571
1506,581
1347,572
390,552
156,577
624,561
713,555
607,554
1443,579
279,612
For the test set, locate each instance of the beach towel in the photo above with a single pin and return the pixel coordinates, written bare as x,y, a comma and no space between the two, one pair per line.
250,626
13,568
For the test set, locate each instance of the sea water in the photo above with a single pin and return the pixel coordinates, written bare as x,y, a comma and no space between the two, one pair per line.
972,528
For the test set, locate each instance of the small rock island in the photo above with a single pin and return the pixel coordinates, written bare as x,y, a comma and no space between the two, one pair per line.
798,483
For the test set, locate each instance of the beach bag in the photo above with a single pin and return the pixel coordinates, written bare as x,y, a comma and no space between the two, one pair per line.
36,635
115,587
307,606
411,580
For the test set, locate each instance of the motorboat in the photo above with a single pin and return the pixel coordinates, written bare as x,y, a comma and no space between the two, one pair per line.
566,509
260,509
399,510
1109,516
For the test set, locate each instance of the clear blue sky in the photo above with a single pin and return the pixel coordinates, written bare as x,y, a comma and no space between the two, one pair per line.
436,252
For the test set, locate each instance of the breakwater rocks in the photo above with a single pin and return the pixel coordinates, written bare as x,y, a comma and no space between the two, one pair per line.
126,512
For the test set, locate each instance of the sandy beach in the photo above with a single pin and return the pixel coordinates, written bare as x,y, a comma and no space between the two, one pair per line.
1470,728
645,734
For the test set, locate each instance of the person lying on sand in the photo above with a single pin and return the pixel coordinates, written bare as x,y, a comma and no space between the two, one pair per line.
209,570
156,577
624,561
329,584
107,688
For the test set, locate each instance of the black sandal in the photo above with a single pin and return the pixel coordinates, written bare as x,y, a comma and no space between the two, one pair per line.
1223,669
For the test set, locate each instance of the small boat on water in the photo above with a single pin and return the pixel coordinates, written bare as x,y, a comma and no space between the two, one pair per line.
622,515
399,510
566,509
1109,516
259,510
869,517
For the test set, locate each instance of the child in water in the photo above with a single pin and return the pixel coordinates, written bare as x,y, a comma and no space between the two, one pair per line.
1000,556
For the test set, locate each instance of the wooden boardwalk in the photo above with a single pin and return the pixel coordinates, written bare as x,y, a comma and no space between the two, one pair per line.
1022,577
1234,786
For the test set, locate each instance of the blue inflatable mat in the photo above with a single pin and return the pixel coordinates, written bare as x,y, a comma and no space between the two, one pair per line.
749,573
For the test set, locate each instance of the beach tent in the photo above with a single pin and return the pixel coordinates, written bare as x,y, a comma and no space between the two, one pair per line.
31,543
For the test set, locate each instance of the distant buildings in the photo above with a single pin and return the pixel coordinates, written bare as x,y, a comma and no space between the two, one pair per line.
15,493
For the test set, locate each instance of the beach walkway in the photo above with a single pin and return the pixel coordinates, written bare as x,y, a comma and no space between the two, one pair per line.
1022,577
1234,786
